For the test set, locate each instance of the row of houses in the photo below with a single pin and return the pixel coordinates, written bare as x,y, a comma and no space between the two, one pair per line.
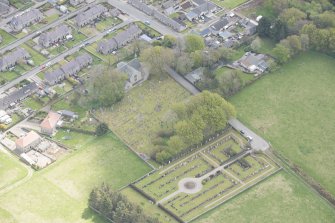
54,36
121,39
11,59
18,95
90,15
69,69
4,7
25,19
156,14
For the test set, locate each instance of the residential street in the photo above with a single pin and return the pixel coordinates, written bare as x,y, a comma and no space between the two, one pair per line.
59,58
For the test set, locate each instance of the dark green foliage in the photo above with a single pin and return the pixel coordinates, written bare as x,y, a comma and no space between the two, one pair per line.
116,207
263,27
279,30
101,129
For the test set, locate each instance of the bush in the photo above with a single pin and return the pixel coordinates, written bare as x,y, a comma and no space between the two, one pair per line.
101,129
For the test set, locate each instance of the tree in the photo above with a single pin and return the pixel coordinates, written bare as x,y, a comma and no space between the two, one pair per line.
263,27
279,30
281,53
169,41
325,20
229,83
101,129
291,16
194,43
184,64
105,87
157,58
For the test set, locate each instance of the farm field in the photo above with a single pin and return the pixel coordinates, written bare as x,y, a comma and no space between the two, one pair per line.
280,198
10,170
293,108
59,193
143,111
197,183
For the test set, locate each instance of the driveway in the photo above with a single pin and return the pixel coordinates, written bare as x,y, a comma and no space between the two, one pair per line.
257,142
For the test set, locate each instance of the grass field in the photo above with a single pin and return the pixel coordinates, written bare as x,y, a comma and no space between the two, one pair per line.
293,108
229,4
143,111
280,198
59,193
10,170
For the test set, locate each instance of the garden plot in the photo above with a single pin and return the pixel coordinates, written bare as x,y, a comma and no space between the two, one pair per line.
207,178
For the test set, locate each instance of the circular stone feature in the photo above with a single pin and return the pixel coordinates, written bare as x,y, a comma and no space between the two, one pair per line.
190,185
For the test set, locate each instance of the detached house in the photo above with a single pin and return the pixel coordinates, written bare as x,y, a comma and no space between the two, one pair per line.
54,36
120,40
254,62
87,17
28,142
12,58
25,19
134,71
49,124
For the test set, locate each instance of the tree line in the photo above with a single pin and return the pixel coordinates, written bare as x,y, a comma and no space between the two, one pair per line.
300,26
116,207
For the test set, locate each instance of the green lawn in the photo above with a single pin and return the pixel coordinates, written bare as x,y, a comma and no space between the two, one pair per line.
6,38
10,170
143,111
149,208
32,103
107,23
229,4
59,193
281,198
293,108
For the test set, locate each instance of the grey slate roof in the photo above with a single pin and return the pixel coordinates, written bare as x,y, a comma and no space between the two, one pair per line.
55,35
220,24
10,59
201,10
70,68
25,19
18,95
76,2
141,6
122,38
90,15
168,21
4,7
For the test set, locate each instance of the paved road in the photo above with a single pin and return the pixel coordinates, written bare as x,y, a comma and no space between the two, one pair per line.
257,142
44,28
59,58
138,15
182,81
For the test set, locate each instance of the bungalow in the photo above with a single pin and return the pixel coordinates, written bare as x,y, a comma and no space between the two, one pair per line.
27,142
18,95
249,25
76,2
195,76
225,35
87,17
12,58
120,40
49,124
25,19
4,7
203,9
68,114
134,71
54,36
219,25
254,62
141,6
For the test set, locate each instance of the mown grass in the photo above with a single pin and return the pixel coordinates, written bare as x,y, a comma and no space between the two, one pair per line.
229,4
59,193
10,170
281,198
293,108
6,38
